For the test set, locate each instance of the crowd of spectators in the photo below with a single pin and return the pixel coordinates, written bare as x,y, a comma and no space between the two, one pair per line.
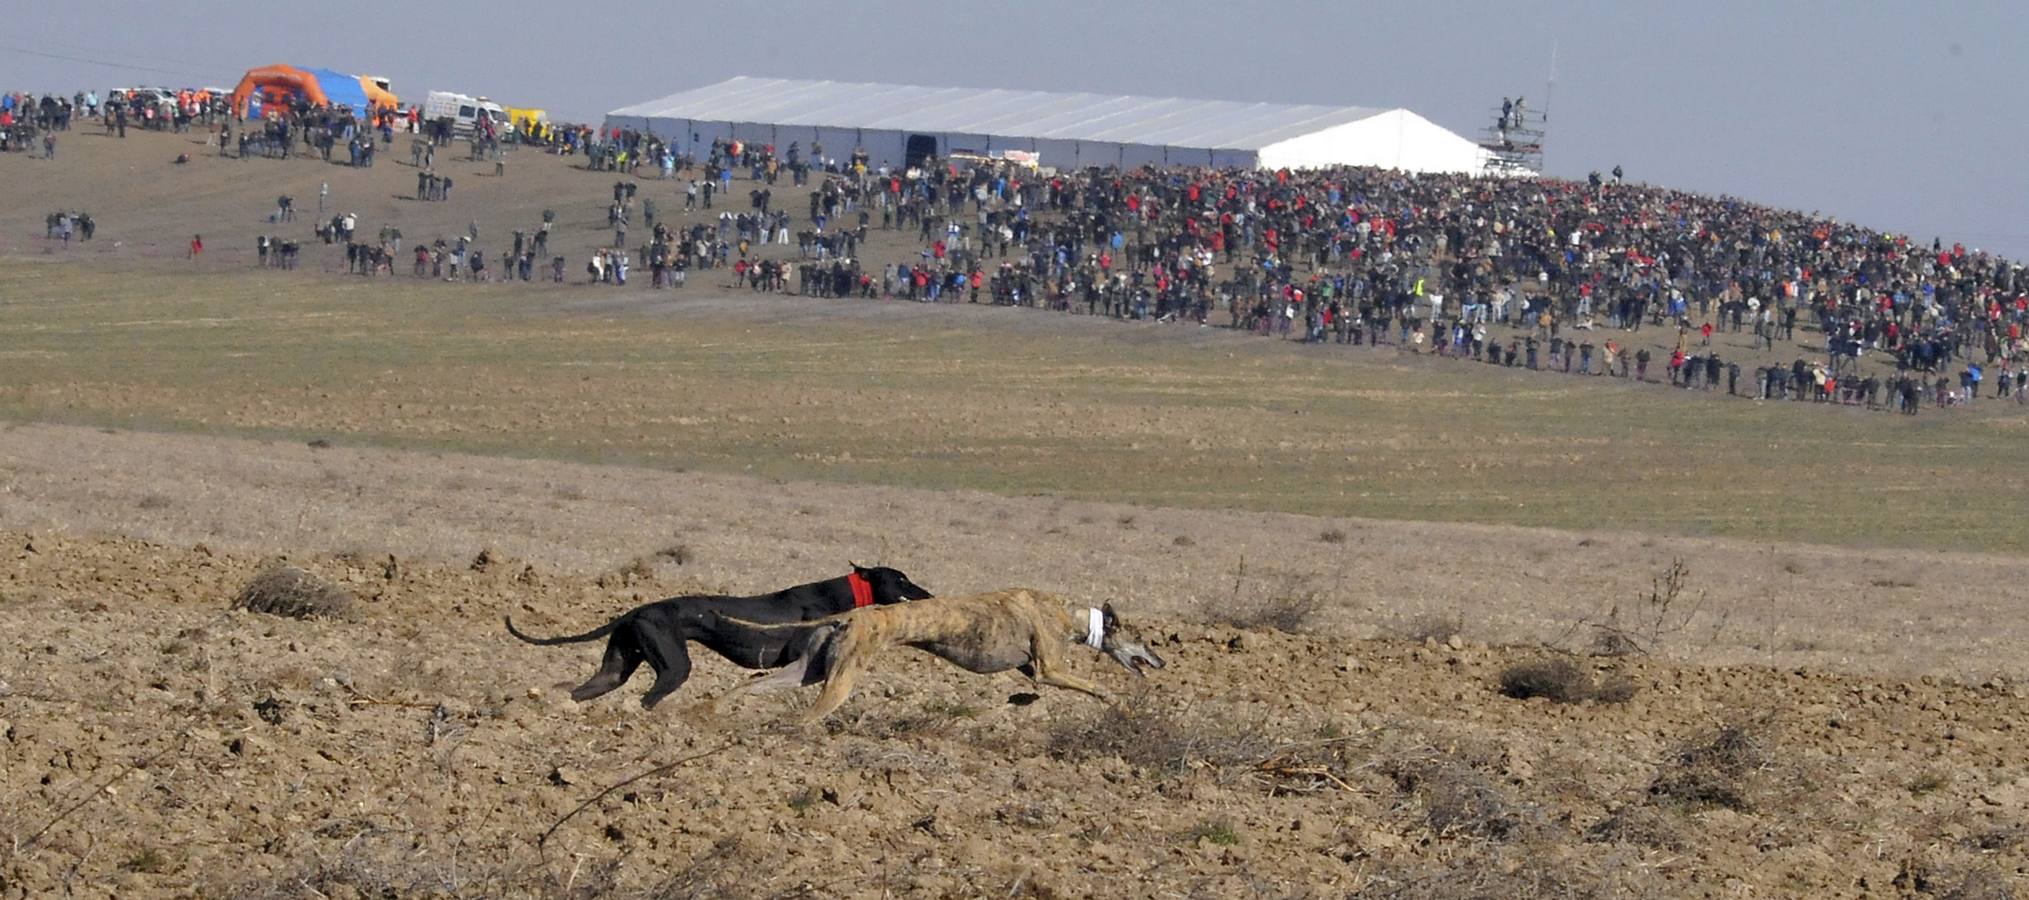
1517,272
1535,273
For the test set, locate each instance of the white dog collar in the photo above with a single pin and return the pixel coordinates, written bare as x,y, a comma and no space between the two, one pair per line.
1095,628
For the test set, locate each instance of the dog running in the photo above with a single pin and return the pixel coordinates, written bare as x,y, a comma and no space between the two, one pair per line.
1017,628
658,632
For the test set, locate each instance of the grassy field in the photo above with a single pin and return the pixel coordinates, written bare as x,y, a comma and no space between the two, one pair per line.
1005,401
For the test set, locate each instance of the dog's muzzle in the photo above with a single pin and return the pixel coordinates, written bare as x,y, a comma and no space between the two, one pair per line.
1134,657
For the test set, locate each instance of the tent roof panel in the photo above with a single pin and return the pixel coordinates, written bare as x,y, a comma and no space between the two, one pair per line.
1044,115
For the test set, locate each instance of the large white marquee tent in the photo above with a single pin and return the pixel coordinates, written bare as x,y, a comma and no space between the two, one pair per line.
899,124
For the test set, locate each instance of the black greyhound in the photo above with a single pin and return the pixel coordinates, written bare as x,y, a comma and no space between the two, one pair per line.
657,632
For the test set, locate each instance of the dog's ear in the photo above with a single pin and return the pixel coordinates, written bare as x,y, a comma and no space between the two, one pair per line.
1112,618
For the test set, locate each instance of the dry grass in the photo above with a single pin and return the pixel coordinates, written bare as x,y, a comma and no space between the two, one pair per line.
1488,870
378,862
285,590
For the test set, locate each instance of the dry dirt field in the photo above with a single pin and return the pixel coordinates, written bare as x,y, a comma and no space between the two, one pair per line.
1350,560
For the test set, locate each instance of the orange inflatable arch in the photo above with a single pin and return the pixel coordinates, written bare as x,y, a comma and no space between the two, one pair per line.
318,87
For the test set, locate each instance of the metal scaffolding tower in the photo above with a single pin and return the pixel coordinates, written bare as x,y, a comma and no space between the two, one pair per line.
1513,138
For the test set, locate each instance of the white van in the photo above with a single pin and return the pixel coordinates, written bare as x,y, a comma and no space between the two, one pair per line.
463,110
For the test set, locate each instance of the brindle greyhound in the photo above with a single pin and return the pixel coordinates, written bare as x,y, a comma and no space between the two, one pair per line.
657,632
984,633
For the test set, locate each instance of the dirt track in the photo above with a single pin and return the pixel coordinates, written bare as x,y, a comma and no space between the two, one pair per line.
420,751
1892,612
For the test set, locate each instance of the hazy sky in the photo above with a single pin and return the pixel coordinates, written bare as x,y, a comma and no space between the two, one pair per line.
1908,116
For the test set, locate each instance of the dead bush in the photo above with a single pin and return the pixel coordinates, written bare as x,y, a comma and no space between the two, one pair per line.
1640,826
1459,800
1158,739
1643,626
1563,681
1307,767
284,590
1289,607
1713,770
1332,536
1289,613
1560,680
154,501
636,570
681,554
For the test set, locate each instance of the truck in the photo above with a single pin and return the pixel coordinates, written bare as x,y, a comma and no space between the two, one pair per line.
464,111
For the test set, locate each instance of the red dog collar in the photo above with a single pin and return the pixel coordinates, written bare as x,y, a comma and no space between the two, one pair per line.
862,592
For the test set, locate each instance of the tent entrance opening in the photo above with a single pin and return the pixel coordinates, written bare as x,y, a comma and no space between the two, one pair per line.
921,147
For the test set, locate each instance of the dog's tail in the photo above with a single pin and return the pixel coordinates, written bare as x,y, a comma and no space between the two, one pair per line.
592,635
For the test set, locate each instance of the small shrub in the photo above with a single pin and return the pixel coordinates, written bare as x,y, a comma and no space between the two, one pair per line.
1560,680
1563,681
635,571
801,801
681,554
284,590
2001,838
154,501
1126,521
1928,782
1183,540
147,860
1333,536
1638,826
1157,739
1217,831
1289,612
1460,800
1712,771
